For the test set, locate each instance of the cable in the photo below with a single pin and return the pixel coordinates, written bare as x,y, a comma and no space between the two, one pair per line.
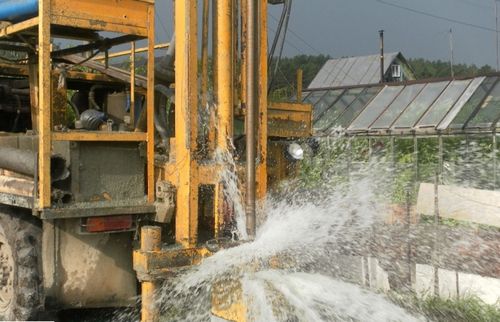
298,37
390,4
294,46
284,21
161,23
475,4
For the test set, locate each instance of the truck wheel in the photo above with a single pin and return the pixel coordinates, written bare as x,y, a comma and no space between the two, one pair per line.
20,268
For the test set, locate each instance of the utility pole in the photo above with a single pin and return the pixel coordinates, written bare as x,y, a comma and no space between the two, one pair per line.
451,54
382,68
496,33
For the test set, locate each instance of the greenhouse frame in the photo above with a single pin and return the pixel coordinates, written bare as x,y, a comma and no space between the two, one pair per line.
439,128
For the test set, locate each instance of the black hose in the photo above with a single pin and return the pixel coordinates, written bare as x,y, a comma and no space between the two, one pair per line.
162,111
164,69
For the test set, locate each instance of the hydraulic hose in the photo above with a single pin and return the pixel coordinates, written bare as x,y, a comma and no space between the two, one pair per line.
162,111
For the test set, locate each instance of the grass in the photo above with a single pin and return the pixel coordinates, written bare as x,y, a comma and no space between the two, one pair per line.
465,309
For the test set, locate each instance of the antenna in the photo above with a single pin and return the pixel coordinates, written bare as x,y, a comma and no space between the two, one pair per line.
496,33
451,54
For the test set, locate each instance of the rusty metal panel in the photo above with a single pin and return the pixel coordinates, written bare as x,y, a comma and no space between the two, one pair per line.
290,120
101,275
107,171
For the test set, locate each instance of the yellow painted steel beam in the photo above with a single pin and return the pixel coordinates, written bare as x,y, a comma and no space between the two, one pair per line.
129,17
224,78
129,52
204,54
94,136
150,105
132,84
261,172
225,69
44,119
150,242
186,120
20,26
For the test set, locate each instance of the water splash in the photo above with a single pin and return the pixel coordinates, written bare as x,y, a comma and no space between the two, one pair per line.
281,264
288,272
231,190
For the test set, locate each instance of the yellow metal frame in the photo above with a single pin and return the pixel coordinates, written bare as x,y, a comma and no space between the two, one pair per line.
131,17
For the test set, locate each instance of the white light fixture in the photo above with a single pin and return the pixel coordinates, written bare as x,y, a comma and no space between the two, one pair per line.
295,151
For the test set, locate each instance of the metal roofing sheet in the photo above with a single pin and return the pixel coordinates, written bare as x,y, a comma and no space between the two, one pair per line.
351,71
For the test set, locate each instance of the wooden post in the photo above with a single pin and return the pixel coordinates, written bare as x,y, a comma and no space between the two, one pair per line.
44,120
151,106
132,85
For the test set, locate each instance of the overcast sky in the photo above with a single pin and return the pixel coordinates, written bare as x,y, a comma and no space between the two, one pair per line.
350,27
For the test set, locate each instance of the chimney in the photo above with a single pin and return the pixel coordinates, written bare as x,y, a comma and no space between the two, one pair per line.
382,69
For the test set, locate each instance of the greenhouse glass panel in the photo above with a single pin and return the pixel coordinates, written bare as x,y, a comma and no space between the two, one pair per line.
476,82
489,111
420,105
325,102
444,103
356,107
326,120
398,106
471,106
314,97
376,106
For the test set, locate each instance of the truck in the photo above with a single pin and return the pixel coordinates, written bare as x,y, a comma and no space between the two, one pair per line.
92,154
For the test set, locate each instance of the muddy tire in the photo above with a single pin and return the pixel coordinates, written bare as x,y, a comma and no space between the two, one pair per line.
21,295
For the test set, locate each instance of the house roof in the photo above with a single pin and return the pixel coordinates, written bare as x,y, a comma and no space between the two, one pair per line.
468,105
352,71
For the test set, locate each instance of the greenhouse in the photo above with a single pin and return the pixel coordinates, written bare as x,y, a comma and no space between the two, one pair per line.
440,107
440,132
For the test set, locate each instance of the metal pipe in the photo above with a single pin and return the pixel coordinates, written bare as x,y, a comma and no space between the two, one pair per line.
225,84
252,108
382,67
23,162
204,54
164,69
150,242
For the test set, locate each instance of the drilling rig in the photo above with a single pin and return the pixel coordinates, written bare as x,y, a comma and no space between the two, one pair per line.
110,180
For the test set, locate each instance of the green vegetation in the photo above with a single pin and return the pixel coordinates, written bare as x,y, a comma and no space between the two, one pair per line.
285,82
466,162
464,309
424,69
